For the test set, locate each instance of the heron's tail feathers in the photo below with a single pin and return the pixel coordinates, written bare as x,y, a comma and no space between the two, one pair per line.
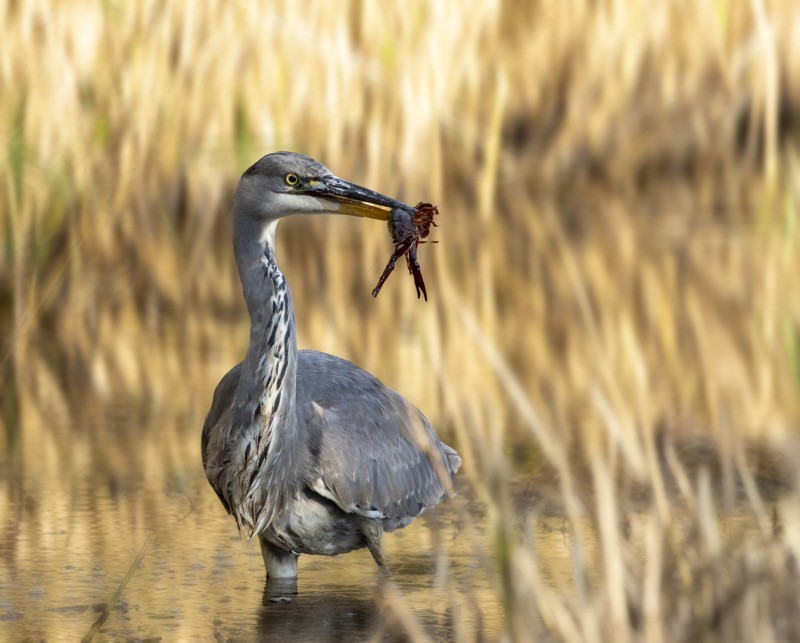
453,459
373,532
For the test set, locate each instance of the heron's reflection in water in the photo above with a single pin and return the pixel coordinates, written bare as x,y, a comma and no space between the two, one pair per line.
325,613
333,612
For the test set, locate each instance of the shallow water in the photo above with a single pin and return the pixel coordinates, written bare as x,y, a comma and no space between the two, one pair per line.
110,530
76,517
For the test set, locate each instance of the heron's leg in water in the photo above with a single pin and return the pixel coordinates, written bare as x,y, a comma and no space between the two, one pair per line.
278,562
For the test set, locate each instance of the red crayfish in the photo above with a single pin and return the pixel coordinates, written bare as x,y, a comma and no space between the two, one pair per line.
408,230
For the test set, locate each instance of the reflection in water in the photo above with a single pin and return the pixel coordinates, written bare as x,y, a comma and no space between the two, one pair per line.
331,613
75,517
73,521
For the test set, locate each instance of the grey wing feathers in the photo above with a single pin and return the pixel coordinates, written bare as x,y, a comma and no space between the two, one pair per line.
220,404
378,455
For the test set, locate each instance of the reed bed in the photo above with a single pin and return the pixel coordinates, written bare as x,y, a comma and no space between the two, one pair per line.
614,312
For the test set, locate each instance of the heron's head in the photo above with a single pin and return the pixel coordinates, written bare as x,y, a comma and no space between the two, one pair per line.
286,183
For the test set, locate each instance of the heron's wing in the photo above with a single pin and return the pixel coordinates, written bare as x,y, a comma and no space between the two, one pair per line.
377,454
216,418
220,404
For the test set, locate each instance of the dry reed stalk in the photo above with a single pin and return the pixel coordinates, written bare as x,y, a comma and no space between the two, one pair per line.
616,273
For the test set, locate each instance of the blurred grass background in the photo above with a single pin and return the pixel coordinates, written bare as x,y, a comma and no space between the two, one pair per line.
618,247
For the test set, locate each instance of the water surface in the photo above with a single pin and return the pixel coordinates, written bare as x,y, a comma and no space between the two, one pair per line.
76,516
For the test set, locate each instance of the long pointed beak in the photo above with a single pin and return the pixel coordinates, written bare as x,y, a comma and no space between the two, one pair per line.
354,200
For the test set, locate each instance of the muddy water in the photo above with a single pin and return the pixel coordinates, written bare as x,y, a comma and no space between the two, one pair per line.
112,531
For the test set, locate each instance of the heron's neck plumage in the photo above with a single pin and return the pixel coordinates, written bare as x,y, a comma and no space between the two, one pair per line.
273,455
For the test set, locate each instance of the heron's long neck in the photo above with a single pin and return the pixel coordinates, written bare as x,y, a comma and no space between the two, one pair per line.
275,450
272,352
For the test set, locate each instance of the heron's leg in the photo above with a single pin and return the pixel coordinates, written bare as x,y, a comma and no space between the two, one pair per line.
278,562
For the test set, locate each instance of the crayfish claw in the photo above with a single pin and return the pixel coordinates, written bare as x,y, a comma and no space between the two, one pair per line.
407,229
420,284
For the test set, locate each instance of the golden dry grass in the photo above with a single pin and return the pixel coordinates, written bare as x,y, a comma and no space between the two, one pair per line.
616,270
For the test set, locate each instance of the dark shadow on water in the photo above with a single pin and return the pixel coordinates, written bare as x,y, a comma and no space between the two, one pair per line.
344,612
280,590
330,613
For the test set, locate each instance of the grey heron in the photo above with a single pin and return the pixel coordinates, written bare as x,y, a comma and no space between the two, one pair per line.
305,450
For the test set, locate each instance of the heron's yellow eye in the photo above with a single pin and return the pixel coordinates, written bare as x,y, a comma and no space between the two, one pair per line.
291,179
